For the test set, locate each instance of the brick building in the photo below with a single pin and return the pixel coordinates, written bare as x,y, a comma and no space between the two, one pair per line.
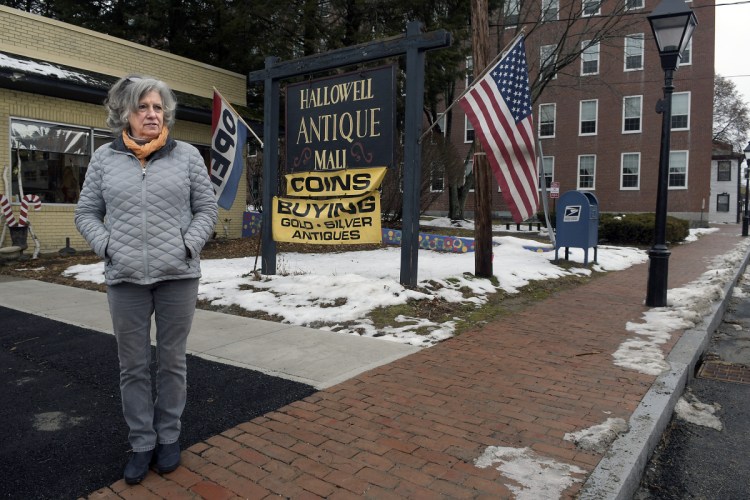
596,120
53,80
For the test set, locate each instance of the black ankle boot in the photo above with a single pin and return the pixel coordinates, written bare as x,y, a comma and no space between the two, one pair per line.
137,466
167,457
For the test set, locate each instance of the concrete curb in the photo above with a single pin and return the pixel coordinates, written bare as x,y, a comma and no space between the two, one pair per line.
619,473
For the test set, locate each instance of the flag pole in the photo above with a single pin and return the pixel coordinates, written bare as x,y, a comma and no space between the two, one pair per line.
487,68
240,117
543,186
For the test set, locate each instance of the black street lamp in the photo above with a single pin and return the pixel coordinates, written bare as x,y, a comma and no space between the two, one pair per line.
672,23
746,217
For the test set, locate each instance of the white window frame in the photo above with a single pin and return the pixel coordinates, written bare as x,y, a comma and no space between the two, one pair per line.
581,120
680,95
590,53
550,10
689,51
686,155
468,127
549,173
547,53
590,14
630,52
641,4
625,114
727,164
593,175
554,120
637,186
433,178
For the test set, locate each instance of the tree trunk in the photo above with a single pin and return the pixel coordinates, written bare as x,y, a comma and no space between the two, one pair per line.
482,174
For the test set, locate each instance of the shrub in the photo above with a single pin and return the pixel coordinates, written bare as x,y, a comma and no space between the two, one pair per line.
638,229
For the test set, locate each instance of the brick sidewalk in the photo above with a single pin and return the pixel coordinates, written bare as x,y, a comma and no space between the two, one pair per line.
413,428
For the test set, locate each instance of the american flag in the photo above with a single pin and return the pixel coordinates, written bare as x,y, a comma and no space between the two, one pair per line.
499,108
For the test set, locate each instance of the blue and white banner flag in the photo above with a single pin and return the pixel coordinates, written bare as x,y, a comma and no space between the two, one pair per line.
228,139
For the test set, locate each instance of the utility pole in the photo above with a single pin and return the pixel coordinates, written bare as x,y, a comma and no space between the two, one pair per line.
482,175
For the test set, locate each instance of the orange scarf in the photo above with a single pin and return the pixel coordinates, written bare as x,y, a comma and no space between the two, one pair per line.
144,151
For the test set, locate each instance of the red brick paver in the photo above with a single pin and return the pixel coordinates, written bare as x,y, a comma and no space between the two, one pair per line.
413,428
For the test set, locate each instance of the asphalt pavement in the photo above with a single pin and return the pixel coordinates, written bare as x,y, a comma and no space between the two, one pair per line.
62,432
695,461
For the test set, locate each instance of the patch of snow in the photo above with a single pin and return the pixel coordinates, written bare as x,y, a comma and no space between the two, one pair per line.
689,409
686,307
536,477
598,437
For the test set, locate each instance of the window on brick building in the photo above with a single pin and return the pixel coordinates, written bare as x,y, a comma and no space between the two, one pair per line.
548,162
439,128
548,60
687,54
588,117
634,52
468,130
469,72
437,177
678,169
586,171
630,171
511,12
681,111
51,159
633,4
631,114
591,8
550,10
468,168
589,58
724,170
547,114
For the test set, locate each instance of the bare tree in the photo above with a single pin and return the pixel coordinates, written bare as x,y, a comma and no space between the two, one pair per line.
438,157
731,114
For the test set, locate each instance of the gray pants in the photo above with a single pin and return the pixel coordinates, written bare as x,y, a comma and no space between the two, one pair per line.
173,302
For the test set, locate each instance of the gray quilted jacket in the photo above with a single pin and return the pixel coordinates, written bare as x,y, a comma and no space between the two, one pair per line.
149,224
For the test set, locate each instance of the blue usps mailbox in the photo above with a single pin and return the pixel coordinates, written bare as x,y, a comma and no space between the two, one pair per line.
577,223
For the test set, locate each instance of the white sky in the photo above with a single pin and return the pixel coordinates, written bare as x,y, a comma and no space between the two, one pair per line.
341,289
732,39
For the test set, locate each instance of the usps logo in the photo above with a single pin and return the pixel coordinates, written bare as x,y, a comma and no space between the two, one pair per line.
572,213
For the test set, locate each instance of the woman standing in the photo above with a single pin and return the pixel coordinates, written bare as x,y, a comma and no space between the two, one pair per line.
147,208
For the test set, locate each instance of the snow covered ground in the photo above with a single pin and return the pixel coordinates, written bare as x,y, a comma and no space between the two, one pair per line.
337,291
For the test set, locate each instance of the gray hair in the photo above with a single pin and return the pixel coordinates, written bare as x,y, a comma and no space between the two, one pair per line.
126,93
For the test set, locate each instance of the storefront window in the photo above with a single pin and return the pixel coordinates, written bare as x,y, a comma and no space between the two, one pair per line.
50,160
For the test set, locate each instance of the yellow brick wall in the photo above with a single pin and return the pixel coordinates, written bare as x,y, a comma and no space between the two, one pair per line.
34,36
54,222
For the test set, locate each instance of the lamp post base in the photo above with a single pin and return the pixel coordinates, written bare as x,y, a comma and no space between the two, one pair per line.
658,272
745,221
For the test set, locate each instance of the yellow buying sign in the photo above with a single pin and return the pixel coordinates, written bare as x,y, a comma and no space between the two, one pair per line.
349,182
329,222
